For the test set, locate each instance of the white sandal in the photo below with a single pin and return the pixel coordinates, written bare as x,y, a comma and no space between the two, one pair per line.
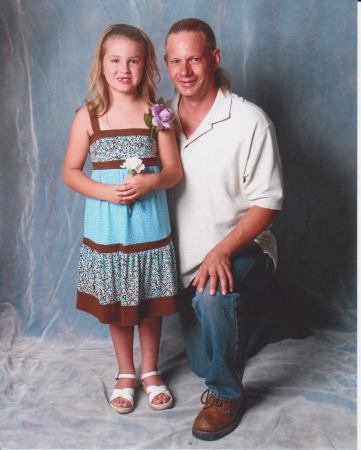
153,390
125,393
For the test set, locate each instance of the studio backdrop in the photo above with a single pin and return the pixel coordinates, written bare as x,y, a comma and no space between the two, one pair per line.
295,59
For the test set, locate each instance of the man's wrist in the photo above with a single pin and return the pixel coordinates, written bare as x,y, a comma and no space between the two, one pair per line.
224,249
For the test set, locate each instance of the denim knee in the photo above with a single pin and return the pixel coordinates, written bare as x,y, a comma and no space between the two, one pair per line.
213,306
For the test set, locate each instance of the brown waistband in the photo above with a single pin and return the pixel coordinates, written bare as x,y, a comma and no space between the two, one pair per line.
132,248
119,162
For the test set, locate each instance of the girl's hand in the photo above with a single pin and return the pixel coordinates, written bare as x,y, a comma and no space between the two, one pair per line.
111,193
135,186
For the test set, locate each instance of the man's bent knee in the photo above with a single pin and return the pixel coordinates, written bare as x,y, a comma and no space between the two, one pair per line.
205,303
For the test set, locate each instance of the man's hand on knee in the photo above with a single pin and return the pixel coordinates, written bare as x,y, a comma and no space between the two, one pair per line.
217,268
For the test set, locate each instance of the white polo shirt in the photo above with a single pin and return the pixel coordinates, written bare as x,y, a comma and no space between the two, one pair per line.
231,162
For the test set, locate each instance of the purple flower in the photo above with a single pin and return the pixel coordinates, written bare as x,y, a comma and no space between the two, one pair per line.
162,117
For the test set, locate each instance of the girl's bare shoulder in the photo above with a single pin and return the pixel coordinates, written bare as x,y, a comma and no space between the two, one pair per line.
82,113
82,119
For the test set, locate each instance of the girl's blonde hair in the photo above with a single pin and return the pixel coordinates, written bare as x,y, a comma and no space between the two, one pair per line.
99,99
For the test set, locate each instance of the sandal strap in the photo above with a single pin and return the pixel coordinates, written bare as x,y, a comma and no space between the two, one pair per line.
149,374
126,375
153,391
126,393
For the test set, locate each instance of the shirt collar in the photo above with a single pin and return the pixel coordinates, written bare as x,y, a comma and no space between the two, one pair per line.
220,110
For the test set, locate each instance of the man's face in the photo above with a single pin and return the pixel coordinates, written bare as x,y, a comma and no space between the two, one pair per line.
191,64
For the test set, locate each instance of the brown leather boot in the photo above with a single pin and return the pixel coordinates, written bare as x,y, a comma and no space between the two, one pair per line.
217,418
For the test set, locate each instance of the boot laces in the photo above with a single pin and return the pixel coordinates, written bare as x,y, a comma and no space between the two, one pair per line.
214,400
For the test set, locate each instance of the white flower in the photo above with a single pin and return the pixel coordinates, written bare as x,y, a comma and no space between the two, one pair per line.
133,164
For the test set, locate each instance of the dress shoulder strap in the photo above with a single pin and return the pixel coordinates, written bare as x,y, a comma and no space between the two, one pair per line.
93,120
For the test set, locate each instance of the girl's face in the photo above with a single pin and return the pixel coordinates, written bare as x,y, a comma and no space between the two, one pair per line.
123,64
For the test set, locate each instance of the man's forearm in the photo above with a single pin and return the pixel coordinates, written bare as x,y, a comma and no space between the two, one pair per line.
251,225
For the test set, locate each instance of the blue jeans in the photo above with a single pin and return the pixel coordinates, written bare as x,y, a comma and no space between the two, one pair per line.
218,328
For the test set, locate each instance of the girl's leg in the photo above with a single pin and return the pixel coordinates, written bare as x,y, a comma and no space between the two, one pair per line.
149,336
123,346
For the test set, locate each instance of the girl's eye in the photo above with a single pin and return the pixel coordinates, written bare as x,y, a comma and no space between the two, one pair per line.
134,61
114,60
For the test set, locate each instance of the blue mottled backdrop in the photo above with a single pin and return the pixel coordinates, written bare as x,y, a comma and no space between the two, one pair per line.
294,58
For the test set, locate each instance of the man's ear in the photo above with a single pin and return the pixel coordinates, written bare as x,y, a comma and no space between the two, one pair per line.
217,54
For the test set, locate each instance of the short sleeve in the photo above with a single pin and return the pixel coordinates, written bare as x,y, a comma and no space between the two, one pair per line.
262,177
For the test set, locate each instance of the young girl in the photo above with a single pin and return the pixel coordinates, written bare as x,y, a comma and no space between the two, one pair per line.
127,271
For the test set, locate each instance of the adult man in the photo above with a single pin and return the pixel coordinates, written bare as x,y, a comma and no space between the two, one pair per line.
221,214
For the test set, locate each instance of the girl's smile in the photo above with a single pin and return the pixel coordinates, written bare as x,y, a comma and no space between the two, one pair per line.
124,79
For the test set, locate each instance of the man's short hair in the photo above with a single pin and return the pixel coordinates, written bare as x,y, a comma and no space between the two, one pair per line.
199,26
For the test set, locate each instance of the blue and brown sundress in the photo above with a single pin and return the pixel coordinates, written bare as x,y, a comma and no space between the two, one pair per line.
127,269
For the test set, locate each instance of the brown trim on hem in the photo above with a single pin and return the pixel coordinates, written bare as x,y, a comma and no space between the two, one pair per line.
126,315
111,248
115,164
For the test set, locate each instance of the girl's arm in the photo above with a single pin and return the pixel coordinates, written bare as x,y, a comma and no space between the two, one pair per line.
76,154
172,171
170,174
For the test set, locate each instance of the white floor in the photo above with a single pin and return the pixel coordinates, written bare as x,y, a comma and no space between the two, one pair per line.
301,395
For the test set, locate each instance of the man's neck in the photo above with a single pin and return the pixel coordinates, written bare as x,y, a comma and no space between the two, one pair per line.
192,110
